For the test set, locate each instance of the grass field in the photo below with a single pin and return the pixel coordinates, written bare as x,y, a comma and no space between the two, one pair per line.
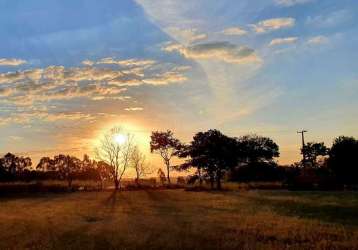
176,219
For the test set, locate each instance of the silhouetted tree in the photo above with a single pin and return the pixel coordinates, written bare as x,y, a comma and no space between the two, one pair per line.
255,159
104,171
166,145
13,164
89,169
257,149
67,167
139,164
343,159
161,176
211,152
312,150
116,154
46,164
87,163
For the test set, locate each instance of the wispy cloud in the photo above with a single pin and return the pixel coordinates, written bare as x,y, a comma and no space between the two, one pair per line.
332,19
125,63
16,138
281,41
186,36
273,24
222,51
25,117
234,31
134,109
11,62
292,2
317,40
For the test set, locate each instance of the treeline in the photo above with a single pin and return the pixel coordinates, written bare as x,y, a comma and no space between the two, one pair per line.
60,167
210,157
215,156
327,168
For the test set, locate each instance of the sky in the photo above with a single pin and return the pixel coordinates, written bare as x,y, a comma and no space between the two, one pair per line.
70,70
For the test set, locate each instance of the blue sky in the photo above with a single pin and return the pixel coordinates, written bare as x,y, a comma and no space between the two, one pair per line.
71,69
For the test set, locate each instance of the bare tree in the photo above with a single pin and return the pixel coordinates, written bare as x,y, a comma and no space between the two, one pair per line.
104,171
115,148
139,164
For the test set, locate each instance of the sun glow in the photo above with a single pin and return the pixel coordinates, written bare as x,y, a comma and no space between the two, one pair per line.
119,139
140,134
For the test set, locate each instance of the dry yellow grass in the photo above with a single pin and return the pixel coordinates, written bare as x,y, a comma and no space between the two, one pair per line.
175,219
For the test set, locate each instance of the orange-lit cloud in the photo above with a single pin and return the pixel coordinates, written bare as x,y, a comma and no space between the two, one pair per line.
273,24
234,31
11,62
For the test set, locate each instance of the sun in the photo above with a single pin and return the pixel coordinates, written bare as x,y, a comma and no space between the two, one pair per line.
119,139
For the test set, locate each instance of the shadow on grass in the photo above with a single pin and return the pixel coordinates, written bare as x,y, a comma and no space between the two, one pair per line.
27,195
111,201
345,215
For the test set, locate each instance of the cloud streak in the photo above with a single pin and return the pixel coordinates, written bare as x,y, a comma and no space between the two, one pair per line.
288,3
219,51
186,36
234,31
11,62
273,24
317,40
282,41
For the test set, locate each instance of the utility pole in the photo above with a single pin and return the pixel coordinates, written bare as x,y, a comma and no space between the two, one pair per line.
303,143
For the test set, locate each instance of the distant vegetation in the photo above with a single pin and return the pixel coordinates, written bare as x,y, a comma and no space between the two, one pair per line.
212,156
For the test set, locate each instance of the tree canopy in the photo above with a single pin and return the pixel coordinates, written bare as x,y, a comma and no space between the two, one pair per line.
312,150
212,152
166,145
343,159
254,149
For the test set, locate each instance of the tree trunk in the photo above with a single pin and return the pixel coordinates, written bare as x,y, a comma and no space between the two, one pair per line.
218,179
212,181
168,171
200,177
70,183
137,180
116,184
218,183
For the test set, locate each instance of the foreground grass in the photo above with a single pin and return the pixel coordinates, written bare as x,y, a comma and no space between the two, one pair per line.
175,219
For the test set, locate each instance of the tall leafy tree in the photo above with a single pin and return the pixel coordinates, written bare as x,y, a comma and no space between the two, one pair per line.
211,152
15,164
312,150
166,145
67,167
343,159
257,149
46,164
256,158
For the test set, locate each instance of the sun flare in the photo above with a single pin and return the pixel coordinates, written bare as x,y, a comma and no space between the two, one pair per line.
119,139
